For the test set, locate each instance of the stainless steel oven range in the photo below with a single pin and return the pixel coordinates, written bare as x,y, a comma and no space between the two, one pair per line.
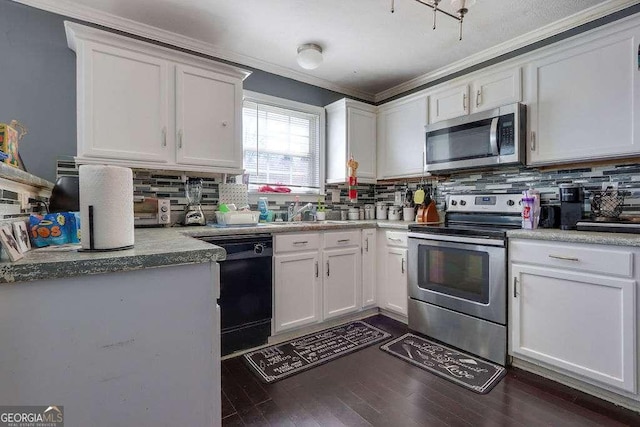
458,274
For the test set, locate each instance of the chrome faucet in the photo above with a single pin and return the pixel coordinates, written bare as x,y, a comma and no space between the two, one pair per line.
292,214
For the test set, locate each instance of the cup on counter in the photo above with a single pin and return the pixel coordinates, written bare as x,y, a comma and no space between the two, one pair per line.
381,211
408,214
321,216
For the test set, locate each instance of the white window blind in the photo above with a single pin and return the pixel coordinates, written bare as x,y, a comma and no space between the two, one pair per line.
281,146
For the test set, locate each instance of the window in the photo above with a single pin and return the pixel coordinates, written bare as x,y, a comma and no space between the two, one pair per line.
282,141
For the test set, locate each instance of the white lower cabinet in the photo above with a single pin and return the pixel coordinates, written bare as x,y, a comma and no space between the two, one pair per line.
392,271
581,324
297,290
396,280
369,267
342,282
317,276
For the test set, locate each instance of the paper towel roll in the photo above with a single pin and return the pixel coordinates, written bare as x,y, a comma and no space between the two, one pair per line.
109,189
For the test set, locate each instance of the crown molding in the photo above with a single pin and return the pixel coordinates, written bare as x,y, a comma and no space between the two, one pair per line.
95,16
590,14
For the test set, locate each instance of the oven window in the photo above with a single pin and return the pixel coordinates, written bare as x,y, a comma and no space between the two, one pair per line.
457,272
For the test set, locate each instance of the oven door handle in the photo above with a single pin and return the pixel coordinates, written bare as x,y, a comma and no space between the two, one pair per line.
484,241
493,136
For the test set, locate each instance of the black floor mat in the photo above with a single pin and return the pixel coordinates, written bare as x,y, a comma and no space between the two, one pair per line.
460,368
289,358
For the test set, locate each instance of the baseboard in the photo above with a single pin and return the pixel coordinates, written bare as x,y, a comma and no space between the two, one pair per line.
606,395
394,316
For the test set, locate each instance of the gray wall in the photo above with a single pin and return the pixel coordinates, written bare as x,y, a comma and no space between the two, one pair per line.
37,85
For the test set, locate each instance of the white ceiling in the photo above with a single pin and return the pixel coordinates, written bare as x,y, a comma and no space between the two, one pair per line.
366,48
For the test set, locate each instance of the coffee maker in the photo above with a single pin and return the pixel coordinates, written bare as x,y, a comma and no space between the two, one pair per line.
571,205
193,214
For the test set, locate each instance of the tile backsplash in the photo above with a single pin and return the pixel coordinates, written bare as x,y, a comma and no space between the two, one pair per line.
504,180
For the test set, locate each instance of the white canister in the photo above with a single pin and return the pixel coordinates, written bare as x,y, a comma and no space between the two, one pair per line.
408,214
369,212
395,213
381,211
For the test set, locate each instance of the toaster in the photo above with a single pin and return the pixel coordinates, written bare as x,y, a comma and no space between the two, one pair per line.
151,212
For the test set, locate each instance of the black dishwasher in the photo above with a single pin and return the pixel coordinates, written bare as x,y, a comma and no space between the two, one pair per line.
245,290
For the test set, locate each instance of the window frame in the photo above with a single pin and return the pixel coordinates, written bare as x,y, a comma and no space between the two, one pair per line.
274,101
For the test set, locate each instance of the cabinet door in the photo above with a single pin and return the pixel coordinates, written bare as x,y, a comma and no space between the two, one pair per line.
495,90
448,103
361,134
297,290
369,267
582,323
395,281
585,99
122,104
401,138
342,281
208,118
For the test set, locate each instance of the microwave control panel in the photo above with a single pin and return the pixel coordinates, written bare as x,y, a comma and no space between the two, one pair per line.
507,126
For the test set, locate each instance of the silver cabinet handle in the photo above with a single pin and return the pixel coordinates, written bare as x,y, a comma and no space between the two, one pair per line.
180,138
164,136
343,240
366,244
478,95
402,265
328,270
393,239
533,141
302,242
317,272
564,258
464,102
515,287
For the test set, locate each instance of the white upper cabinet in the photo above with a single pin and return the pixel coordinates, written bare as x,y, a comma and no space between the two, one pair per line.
351,130
584,100
401,137
449,102
208,120
496,89
123,104
146,106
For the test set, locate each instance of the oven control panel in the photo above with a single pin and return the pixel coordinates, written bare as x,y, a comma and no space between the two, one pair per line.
498,203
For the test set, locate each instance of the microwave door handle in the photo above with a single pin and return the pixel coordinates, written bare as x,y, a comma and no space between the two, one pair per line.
493,136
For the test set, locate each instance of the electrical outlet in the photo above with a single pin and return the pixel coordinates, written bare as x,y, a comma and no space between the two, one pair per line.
335,196
605,185
24,201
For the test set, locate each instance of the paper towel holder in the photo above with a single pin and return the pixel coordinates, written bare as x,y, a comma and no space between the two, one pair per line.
92,245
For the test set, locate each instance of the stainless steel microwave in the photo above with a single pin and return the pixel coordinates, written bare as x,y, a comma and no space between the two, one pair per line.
489,138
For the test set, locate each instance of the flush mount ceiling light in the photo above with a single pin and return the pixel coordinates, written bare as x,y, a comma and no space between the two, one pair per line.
309,56
461,8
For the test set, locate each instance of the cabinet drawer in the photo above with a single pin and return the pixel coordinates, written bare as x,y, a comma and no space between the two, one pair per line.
396,238
296,242
338,239
586,258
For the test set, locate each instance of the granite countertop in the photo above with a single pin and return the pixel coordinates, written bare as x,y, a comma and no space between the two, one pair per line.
572,236
156,247
18,175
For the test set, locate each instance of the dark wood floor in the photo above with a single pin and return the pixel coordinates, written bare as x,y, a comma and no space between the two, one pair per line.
370,387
